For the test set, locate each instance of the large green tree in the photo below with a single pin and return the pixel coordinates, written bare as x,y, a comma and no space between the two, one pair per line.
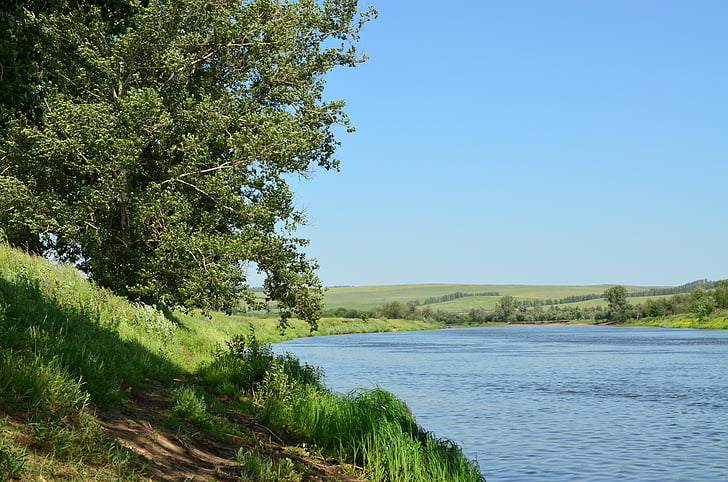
155,140
617,304
505,309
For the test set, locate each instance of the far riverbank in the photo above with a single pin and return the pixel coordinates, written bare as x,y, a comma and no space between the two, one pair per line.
267,332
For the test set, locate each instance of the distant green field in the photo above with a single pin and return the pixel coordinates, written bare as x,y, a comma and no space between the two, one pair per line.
635,300
366,297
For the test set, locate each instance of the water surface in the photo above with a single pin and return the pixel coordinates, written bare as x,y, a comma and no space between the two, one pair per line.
553,403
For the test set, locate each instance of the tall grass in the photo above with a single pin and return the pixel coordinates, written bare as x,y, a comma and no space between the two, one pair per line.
63,345
373,429
67,346
369,428
53,318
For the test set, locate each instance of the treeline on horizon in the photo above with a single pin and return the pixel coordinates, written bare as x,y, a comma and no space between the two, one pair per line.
452,296
671,290
701,297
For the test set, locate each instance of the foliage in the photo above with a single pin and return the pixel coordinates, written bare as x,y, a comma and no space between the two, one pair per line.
720,294
350,313
373,429
505,310
700,302
684,288
715,321
249,367
394,310
166,133
452,296
618,305
62,336
18,64
370,428
189,404
264,468
12,459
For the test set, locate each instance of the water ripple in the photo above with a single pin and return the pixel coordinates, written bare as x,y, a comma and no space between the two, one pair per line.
554,403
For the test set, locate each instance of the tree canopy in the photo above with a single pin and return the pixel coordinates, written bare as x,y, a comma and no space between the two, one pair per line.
150,142
618,305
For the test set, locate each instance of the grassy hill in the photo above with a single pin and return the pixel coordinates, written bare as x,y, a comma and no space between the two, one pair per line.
94,387
367,297
476,304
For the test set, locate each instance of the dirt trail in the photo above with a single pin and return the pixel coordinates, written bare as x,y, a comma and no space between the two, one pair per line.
142,426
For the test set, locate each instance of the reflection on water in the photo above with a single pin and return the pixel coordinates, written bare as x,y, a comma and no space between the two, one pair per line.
553,403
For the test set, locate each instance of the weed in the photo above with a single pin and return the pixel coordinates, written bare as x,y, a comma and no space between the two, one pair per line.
189,404
266,469
12,459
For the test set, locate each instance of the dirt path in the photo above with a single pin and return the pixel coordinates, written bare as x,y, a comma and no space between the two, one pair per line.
143,427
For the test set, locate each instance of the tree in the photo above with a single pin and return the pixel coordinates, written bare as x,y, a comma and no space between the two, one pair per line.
720,294
701,303
618,306
505,309
393,310
159,161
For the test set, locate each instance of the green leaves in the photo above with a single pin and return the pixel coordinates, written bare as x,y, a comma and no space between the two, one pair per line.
167,133
618,305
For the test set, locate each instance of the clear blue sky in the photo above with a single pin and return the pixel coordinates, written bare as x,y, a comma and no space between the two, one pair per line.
530,142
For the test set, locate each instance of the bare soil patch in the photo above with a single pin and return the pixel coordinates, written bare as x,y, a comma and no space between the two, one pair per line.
142,425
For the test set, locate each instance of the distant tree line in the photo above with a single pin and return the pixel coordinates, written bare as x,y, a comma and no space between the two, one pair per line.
452,296
686,288
704,299
559,301
506,312
700,301
673,290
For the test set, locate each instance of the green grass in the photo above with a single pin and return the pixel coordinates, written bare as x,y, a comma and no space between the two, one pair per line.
68,349
367,297
716,321
370,428
375,430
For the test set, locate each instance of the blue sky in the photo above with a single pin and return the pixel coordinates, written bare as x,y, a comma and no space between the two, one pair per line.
530,142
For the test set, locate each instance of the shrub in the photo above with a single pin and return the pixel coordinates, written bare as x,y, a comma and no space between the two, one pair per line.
252,368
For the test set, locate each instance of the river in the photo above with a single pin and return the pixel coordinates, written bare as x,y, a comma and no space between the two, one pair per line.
552,403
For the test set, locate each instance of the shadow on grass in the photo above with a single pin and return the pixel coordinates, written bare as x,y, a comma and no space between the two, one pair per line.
76,334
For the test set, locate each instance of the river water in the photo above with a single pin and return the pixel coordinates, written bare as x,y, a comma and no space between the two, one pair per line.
552,403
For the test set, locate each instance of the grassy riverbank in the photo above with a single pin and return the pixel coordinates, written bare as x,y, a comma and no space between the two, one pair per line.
716,321
95,387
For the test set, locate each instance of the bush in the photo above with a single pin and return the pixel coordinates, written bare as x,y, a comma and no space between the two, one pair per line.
249,367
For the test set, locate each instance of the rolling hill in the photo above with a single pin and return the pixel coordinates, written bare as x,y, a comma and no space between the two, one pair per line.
468,296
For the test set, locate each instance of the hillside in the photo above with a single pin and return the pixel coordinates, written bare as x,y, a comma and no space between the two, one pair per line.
94,387
699,303
367,297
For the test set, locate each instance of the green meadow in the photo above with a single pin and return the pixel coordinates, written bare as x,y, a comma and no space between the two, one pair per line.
368,297
456,303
